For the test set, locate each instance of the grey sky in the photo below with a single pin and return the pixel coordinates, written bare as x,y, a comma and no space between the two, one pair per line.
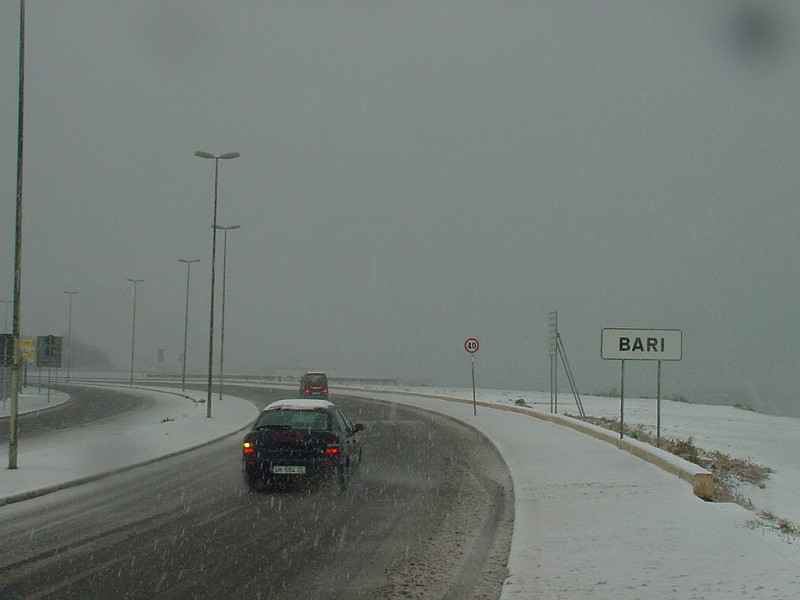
414,172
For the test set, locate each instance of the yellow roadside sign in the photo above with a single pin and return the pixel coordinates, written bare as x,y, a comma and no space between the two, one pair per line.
27,349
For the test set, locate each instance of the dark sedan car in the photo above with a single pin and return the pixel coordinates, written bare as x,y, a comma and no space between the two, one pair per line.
301,439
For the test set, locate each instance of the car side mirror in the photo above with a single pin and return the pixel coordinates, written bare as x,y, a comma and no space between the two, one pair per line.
358,427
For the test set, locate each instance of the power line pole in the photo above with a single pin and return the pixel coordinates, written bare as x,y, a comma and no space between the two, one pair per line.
133,325
225,231
70,294
188,262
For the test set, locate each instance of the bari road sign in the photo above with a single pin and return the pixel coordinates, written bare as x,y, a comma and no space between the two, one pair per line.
641,344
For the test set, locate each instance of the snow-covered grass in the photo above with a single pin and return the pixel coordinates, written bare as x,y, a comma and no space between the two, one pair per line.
31,399
171,423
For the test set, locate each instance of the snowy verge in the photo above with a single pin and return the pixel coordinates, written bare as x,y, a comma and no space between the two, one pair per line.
32,400
701,479
173,423
593,522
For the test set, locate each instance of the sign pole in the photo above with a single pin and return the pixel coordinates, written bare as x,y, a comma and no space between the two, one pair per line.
555,381
471,346
474,396
622,401
658,407
551,382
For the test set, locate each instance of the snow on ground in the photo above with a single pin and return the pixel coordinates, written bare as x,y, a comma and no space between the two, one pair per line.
766,439
32,399
172,423
592,521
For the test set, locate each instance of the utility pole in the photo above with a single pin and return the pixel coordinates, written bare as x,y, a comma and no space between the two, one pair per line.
225,231
133,325
70,294
188,262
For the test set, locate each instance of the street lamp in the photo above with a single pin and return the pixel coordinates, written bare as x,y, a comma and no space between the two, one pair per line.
70,294
133,324
13,427
188,263
216,158
225,231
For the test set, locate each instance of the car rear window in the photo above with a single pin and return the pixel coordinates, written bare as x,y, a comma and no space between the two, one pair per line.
294,419
316,379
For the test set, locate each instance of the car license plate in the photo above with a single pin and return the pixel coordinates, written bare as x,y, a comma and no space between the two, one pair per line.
288,470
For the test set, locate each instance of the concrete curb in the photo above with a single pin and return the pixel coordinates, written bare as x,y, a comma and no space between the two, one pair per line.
701,479
30,494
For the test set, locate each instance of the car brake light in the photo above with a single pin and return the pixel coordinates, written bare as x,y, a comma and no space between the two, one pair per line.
331,450
247,448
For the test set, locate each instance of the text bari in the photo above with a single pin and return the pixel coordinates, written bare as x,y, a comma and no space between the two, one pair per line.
638,344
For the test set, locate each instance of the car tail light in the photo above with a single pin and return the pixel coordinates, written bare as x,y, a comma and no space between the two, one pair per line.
332,451
247,448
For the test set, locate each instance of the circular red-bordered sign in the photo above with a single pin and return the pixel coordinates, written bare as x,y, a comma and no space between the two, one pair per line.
472,345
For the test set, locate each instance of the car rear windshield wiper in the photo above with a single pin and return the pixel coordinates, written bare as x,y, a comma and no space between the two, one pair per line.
273,427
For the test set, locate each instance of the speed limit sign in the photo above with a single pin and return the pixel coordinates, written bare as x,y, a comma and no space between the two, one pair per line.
472,345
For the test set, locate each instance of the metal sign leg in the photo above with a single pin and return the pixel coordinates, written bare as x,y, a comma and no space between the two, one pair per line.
658,407
474,396
622,401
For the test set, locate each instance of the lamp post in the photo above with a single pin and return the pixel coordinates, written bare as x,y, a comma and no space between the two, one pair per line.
188,262
133,324
13,427
225,231
70,294
216,158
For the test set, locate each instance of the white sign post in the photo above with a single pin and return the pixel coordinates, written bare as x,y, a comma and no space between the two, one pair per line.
623,344
471,346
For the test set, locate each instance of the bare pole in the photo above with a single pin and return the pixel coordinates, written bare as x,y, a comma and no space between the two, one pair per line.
213,273
70,294
622,400
474,397
216,159
225,231
133,326
658,407
188,263
222,324
13,427
7,304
